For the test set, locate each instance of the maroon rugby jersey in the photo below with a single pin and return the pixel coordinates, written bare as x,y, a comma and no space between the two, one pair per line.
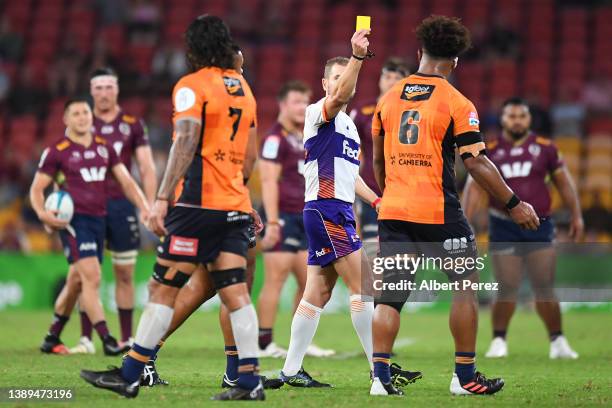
81,171
124,134
526,166
362,116
286,149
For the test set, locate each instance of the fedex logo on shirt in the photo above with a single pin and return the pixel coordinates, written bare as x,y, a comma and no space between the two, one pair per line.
346,150
350,150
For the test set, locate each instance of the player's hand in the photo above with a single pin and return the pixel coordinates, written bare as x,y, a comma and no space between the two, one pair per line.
156,218
360,43
50,220
576,228
144,217
272,236
525,216
257,221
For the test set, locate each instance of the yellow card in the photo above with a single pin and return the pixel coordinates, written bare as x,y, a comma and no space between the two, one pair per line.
363,23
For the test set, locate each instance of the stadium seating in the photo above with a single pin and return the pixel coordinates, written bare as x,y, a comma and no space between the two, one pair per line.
290,39
543,44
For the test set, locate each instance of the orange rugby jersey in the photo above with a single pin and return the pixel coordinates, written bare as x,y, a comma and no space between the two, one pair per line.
422,119
224,104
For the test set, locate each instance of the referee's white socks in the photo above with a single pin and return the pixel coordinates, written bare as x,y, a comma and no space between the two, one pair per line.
303,328
362,311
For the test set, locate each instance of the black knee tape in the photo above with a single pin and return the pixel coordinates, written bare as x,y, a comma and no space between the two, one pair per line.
227,277
177,281
396,305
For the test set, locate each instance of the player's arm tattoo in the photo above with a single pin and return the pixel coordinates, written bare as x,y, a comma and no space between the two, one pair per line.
181,155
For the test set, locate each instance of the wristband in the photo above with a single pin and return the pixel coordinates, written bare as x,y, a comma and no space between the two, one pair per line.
273,223
513,202
359,58
162,198
375,202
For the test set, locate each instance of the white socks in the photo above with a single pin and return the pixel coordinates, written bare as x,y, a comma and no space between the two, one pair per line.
303,328
245,328
153,325
361,315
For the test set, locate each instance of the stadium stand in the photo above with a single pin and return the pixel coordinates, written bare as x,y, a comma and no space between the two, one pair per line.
542,50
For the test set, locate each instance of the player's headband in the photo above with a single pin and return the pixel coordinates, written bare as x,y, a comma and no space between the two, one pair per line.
104,80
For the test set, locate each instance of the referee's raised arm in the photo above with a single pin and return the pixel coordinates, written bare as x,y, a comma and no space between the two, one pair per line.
341,94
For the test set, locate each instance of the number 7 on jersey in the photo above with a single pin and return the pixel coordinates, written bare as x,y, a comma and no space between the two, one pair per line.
238,113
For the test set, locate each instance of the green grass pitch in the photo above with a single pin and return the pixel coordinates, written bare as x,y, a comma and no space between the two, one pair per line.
193,362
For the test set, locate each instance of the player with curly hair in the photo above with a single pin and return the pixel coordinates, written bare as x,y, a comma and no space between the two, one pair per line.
416,127
203,210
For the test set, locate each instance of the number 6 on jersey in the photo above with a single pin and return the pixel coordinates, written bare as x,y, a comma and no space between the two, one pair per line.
409,127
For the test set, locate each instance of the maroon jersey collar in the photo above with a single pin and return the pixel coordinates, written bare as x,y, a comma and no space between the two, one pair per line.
119,115
529,136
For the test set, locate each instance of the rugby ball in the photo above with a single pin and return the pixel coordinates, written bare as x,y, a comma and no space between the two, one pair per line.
60,202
